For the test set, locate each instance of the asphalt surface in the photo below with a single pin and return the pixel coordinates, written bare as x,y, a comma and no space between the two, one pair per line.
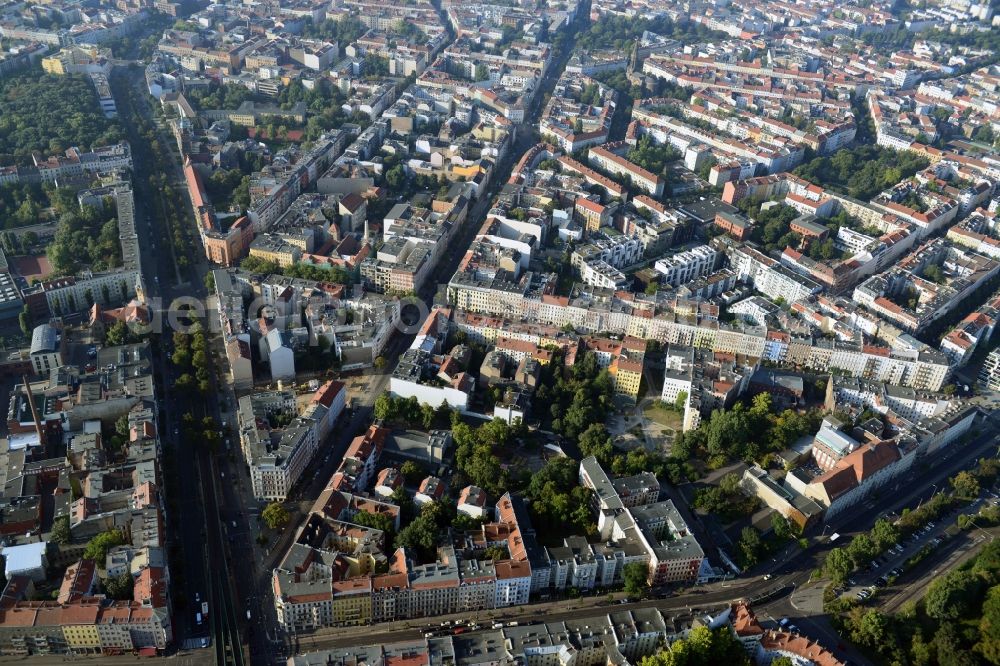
218,519
782,581
197,530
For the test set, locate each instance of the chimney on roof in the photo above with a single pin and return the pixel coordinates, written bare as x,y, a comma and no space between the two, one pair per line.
34,410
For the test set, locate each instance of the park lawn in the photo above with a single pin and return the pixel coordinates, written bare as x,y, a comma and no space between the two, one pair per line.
665,417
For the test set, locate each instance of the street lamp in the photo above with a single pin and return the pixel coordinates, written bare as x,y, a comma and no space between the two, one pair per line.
933,491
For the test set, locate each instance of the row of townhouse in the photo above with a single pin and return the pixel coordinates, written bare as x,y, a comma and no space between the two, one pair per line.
278,442
120,492
768,276
525,300
974,332
606,158
622,637
79,293
685,267
74,165
266,209
751,157
601,259
324,581
88,626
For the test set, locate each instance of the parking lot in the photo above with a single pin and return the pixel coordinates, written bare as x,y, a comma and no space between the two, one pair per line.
888,566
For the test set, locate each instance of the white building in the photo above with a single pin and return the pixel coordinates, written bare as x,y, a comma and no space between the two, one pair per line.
279,356
45,350
686,266
989,375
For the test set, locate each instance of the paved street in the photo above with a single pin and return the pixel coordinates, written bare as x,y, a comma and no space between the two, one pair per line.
794,597
218,518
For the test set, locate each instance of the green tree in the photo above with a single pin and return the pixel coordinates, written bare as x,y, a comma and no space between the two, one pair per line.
871,629
378,521
464,522
596,441
412,471
120,587
427,416
780,526
884,533
989,627
275,515
24,321
60,530
117,335
385,408
862,549
702,647
730,483
750,546
185,383
395,178
951,647
635,575
122,425
419,537
838,565
952,596
97,548
965,485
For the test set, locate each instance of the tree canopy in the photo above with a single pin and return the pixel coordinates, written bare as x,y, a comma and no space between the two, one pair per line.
620,32
344,31
98,547
378,521
652,157
702,647
744,433
48,114
635,575
559,506
275,515
861,171
85,236
958,620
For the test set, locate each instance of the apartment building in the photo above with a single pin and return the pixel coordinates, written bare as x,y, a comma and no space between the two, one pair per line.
623,360
526,300
686,266
277,442
672,554
768,276
989,374
604,157
336,574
